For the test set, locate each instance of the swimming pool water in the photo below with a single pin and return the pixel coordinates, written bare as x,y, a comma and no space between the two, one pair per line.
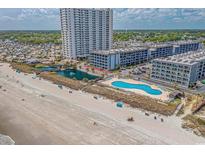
148,89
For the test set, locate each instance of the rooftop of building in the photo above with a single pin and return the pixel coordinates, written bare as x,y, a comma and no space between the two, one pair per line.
159,45
184,42
98,9
151,45
120,50
189,58
142,46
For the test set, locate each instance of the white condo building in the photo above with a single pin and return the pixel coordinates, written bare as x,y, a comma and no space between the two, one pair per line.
182,70
85,30
115,58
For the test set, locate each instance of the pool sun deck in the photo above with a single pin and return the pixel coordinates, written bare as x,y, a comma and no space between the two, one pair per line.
164,96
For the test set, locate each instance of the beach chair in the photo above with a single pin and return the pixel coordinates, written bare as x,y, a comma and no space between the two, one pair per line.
130,119
70,92
147,114
60,86
95,97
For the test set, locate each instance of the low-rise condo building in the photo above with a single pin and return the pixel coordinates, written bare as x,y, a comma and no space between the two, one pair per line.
115,58
112,59
182,70
160,50
182,46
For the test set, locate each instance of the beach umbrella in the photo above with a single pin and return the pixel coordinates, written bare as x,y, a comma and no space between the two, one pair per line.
119,104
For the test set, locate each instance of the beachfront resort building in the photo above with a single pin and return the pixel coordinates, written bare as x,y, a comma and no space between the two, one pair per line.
115,58
185,46
160,50
85,30
182,70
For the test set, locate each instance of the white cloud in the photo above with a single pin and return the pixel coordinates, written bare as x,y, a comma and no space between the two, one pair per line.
40,13
6,18
24,19
151,17
123,18
157,14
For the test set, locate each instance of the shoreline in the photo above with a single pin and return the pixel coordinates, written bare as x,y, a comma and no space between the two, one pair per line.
63,118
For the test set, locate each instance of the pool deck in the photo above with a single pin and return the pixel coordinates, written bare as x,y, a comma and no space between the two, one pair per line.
163,97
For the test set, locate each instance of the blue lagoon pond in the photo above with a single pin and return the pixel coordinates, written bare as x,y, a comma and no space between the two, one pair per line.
69,73
79,75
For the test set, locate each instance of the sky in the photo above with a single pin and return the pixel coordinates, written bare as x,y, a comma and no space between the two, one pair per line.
150,18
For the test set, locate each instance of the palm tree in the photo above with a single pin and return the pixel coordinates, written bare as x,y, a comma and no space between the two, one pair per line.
117,66
130,74
75,66
93,69
85,79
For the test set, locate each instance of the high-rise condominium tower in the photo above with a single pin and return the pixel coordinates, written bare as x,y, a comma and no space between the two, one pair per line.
85,30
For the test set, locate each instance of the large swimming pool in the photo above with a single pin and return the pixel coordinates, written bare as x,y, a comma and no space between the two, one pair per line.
146,88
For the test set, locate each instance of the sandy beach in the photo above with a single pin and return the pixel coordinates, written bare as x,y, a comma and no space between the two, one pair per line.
34,111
